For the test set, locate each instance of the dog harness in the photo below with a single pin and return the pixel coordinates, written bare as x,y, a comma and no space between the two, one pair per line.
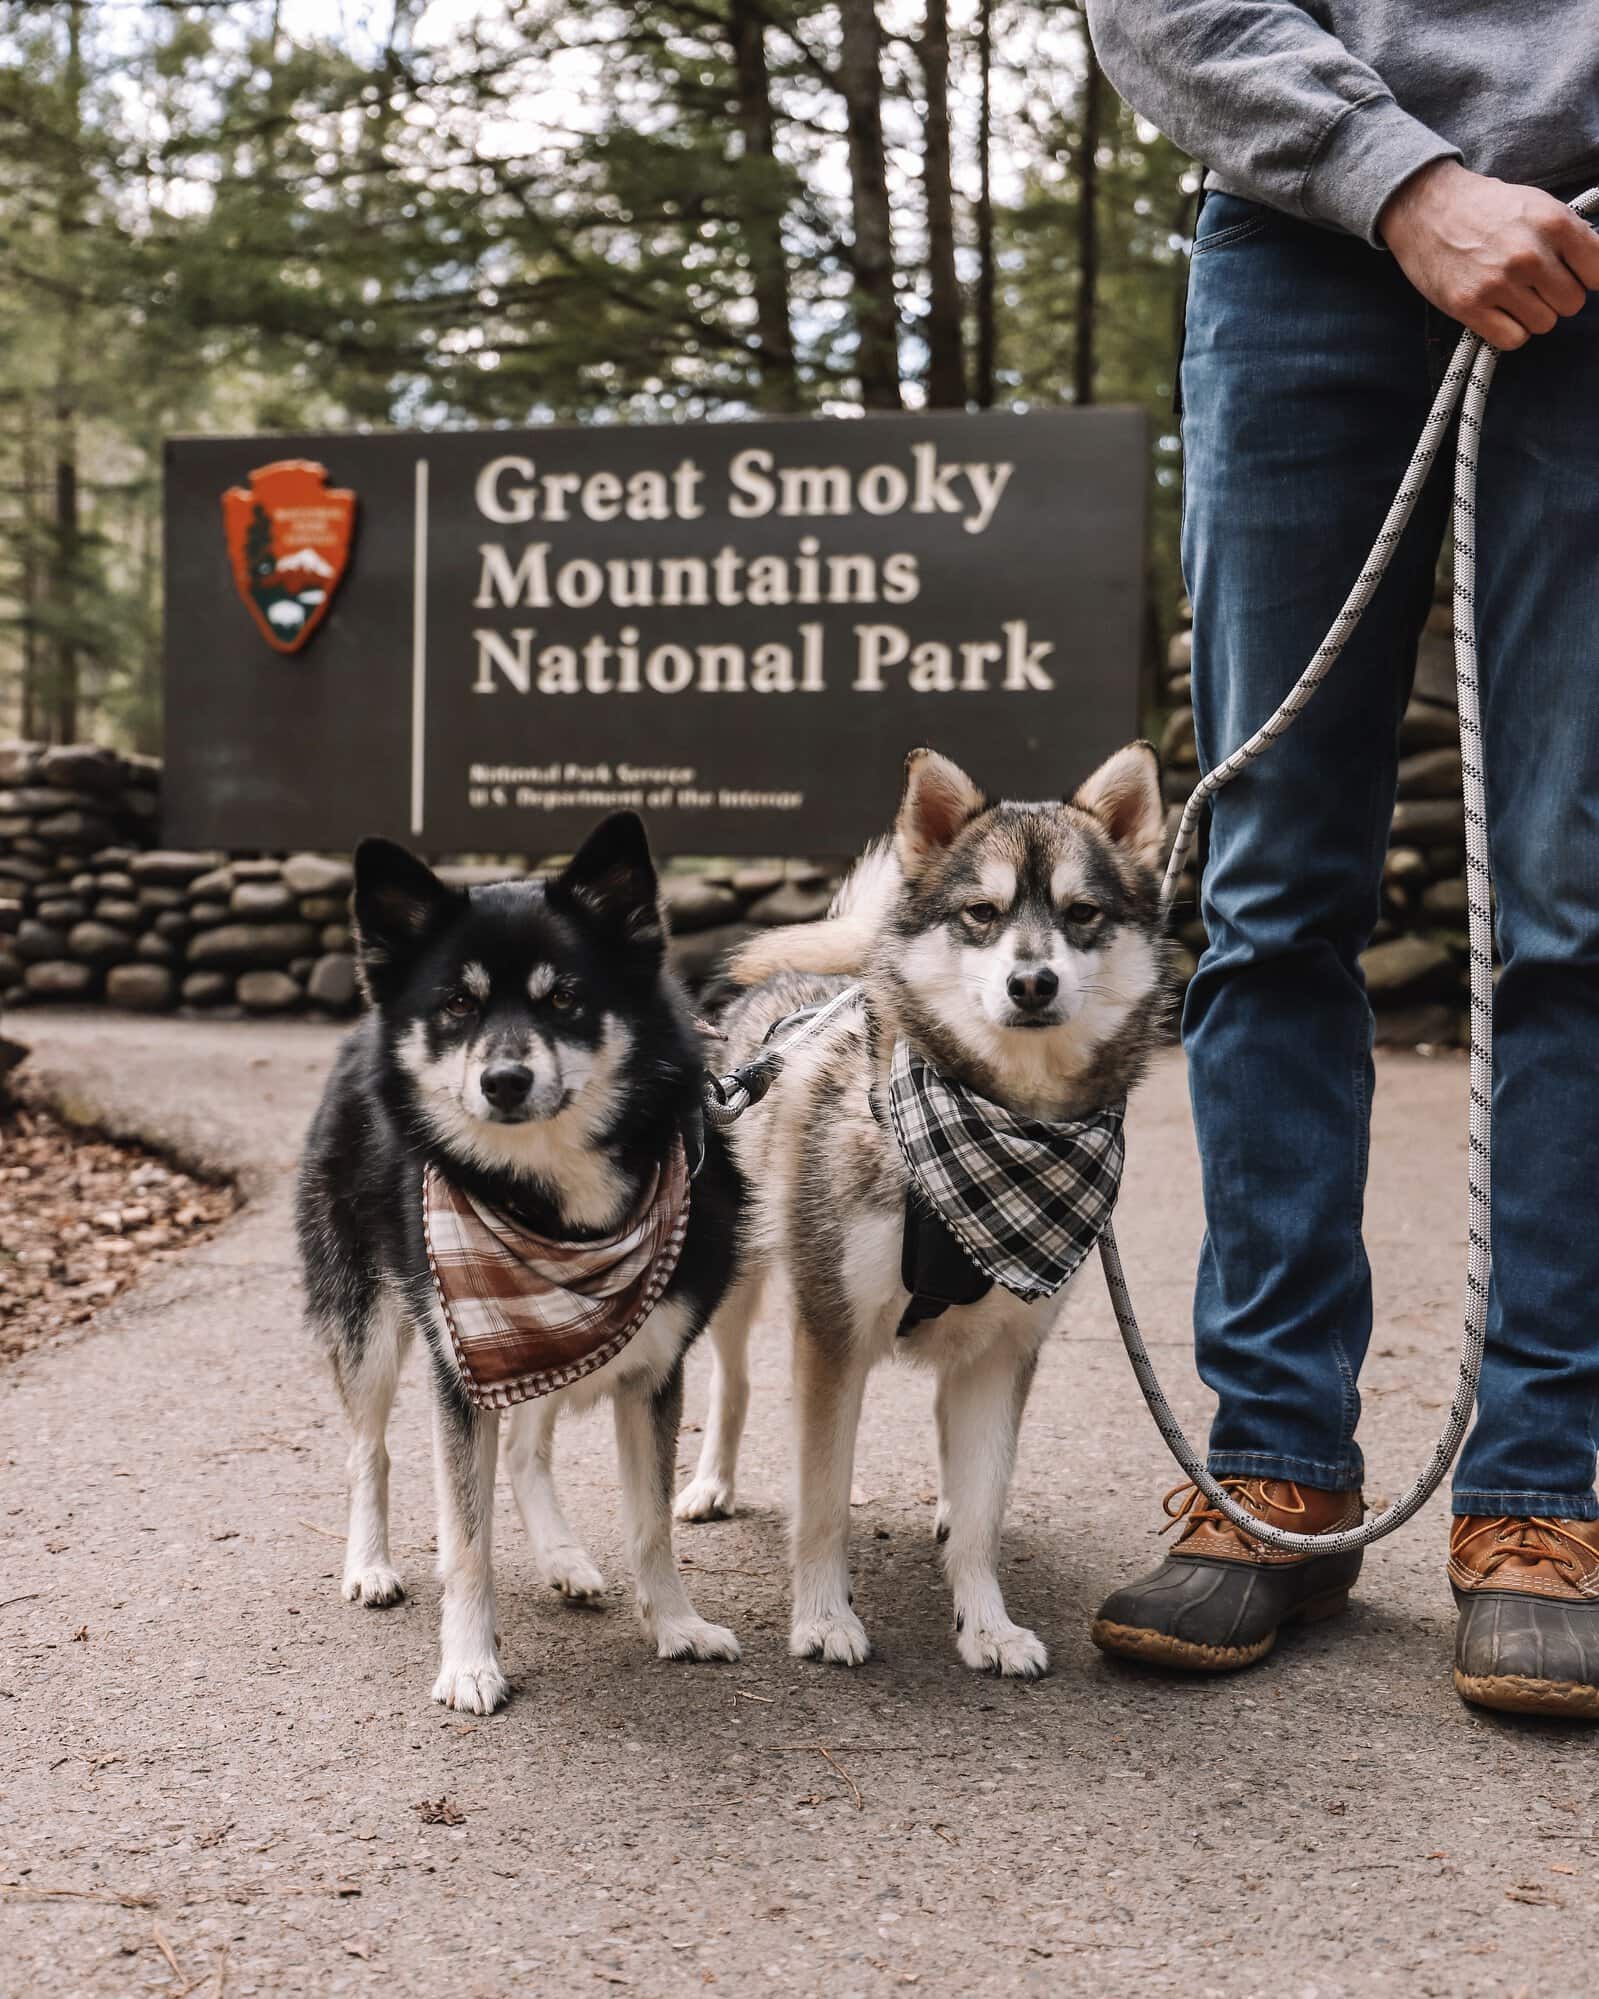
527,1315
1021,1200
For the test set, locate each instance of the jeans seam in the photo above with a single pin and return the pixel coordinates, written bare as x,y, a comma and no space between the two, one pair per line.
1277,1464
1520,1505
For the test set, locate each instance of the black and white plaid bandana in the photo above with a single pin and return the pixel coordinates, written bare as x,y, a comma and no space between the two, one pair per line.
1026,1200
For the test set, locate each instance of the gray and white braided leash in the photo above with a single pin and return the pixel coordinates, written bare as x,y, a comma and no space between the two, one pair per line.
1471,371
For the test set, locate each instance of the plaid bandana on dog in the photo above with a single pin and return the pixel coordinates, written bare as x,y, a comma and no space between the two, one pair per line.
1026,1200
528,1315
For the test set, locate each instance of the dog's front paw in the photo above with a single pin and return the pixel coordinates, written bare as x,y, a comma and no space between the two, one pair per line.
570,1573
1007,1649
941,1522
693,1638
705,1499
838,1636
476,1688
376,1586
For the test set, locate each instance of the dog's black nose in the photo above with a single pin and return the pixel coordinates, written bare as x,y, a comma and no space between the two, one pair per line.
1032,987
507,1085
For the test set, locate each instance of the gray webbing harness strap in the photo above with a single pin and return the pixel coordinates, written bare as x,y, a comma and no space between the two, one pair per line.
1466,384
728,1097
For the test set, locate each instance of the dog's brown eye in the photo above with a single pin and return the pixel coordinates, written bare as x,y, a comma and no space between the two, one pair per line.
563,999
981,913
459,1005
1081,912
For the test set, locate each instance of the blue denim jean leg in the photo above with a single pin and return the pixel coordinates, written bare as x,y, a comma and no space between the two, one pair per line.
1309,365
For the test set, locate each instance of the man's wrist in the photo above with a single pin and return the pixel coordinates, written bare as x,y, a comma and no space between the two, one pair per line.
1416,194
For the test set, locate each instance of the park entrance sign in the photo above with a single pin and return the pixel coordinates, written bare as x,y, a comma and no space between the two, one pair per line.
480,641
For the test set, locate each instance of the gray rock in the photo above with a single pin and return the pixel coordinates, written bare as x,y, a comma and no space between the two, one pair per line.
791,903
10,970
14,825
36,799
260,870
201,913
1428,822
121,910
336,937
325,908
692,903
167,865
1404,864
117,881
696,957
82,767
299,969
214,884
16,867
11,916
144,988
332,981
806,874
1408,969
155,898
1426,726
758,880
60,914
207,989
36,850
113,857
268,992
260,901
156,950
240,946
315,874
1430,774
1177,740
1180,689
59,979
18,761
174,924
1180,652
95,943
478,874
84,883
72,829
1445,901
37,941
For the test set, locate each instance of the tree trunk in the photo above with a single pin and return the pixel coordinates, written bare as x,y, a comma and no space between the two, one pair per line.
32,719
986,342
762,219
860,79
946,363
69,222
1087,227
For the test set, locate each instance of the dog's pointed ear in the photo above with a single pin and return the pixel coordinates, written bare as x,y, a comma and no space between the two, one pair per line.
1124,796
399,904
938,800
610,885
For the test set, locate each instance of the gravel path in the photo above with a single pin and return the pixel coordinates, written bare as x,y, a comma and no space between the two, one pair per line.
213,1767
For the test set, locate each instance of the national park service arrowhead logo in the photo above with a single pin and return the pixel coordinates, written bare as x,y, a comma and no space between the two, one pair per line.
289,535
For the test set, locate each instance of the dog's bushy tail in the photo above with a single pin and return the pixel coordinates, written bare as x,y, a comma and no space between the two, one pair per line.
842,942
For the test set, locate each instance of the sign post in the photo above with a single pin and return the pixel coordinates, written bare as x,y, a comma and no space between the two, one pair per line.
479,642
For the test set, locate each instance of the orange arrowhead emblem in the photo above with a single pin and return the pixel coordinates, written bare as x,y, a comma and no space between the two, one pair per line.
289,535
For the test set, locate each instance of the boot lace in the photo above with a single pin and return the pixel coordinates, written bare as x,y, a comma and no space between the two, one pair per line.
1534,1540
1195,1510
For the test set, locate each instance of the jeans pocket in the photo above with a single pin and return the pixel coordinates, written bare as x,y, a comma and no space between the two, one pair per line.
1231,220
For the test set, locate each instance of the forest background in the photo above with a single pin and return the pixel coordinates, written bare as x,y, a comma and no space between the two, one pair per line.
241,215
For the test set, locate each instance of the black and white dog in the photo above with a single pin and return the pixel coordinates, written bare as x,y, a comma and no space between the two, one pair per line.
527,1052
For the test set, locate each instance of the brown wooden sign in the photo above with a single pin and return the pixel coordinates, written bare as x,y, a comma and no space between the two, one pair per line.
738,629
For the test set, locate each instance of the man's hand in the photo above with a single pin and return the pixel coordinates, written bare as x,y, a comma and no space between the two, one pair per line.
1506,261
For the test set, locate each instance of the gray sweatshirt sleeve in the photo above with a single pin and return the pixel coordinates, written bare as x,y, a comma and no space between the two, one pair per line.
1270,101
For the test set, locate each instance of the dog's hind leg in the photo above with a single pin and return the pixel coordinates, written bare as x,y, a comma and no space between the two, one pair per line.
979,1415
646,1448
828,1386
465,1445
367,1372
529,1444
709,1494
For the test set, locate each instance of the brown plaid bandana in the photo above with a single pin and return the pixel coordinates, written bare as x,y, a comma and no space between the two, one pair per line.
528,1315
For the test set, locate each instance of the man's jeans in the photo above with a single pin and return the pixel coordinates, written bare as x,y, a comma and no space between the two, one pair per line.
1309,365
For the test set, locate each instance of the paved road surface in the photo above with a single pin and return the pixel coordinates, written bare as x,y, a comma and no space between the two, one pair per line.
227,1767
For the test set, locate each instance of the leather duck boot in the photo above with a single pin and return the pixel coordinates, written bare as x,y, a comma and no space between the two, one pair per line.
1218,1600
1528,1595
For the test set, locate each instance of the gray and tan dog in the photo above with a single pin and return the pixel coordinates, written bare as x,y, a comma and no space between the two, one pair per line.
1018,949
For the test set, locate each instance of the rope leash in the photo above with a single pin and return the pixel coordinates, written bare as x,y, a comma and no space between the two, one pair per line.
1466,385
